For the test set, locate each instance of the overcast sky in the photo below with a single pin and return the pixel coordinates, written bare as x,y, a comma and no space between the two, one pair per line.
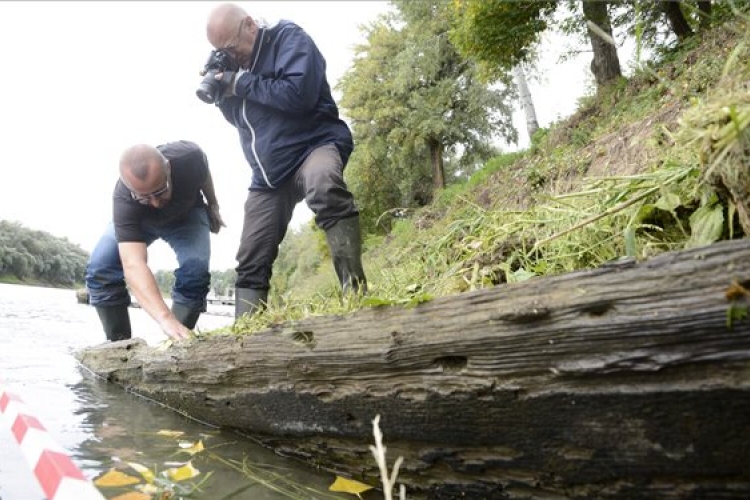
84,80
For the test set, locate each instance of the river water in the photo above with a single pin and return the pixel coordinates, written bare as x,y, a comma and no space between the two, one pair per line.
103,427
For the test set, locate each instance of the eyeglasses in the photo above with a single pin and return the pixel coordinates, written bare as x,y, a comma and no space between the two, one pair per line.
232,47
146,198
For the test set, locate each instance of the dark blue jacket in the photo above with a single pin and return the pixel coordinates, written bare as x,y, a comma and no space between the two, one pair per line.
284,108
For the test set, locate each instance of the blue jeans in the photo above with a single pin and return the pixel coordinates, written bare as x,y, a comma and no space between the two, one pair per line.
189,238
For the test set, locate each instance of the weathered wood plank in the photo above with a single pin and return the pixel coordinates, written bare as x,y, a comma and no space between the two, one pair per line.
619,382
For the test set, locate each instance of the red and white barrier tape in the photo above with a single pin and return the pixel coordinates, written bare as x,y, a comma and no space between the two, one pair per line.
56,473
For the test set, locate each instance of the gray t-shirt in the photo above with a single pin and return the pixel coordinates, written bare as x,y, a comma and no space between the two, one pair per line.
188,174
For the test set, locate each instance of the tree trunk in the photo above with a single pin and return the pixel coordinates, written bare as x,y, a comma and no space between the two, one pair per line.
527,104
438,171
626,381
676,18
606,65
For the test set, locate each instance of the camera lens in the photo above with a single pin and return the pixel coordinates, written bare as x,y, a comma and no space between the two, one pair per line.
208,88
205,94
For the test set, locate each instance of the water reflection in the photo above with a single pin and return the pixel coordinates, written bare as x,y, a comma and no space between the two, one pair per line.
102,426
123,427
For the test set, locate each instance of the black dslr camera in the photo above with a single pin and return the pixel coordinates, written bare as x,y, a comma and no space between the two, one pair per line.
210,89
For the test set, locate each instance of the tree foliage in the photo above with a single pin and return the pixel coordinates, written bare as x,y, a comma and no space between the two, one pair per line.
164,280
498,34
39,257
300,256
222,282
417,109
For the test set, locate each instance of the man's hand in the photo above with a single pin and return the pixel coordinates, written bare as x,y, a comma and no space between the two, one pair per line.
228,81
215,222
174,329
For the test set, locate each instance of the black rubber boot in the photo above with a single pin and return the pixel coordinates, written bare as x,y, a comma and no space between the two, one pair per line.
185,315
345,243
248,300
116,322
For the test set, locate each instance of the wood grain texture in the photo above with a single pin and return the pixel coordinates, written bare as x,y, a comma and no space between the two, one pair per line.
621,382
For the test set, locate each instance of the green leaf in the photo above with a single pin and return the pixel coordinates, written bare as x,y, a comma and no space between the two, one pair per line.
668,202
706,225
520,275
644,212
630,245
735,313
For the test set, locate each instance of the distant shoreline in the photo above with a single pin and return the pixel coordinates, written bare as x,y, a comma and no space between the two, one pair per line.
12,280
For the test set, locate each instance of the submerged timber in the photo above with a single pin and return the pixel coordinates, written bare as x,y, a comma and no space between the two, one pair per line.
627,381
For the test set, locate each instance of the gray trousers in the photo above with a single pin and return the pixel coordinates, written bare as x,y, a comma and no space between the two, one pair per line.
320,182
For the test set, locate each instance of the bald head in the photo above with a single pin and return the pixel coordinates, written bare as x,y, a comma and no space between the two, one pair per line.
223,22
141,162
